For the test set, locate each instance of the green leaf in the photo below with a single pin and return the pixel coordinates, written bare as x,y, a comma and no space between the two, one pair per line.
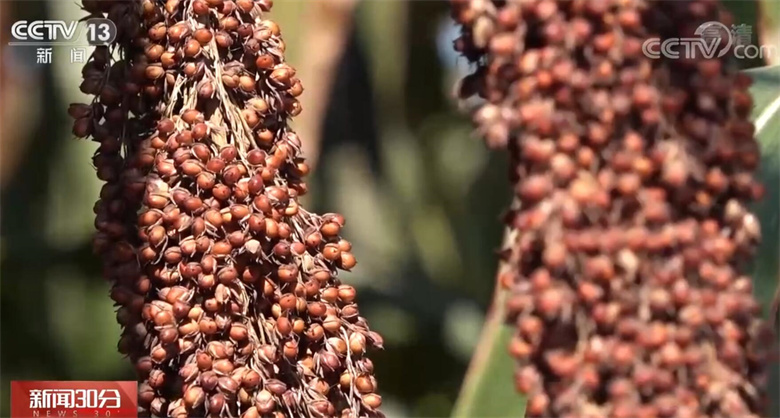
488,389
769,29
766,269
766,117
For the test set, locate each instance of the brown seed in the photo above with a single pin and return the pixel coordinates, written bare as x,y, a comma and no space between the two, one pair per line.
216,403
347,261
364,384
281,76
239,212
330,229
288,302
331,323
216,165
223,366
346,293
283,326
169,60
282,249
169,334
227,275
534,188
156,235
83,127
221,192
163,318
331,252
227,385
264,402
297,88
311,288
154,71
156,379
265,62
317,309
199,131
206,181
189,372
288,273
357,343
345,381
298,325
231,175
239,332
193,204
201,151
554,256
246,84
271,228
224,40
202,243
207,326
371,401
315,332
192,48
203,35
290,349
194,397
599,268
191,168
228,23
256,223
323,276
293,107
154,51
192,116
350,312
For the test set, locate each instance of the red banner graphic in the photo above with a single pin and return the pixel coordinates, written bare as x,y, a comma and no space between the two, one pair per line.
77,399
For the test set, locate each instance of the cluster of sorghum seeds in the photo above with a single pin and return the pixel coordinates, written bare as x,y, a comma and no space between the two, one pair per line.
630,233
228,290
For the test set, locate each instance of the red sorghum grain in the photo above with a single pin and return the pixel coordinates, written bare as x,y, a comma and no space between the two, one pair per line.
630,228
227,289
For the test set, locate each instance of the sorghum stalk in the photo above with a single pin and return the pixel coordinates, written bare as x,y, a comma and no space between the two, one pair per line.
228,290
630,229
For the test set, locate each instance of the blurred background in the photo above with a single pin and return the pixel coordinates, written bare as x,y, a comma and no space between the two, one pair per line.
394,154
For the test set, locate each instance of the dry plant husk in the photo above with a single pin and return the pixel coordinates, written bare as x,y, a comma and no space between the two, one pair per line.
630,233
227,289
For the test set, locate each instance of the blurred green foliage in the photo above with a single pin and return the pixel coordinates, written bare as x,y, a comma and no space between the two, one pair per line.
422,198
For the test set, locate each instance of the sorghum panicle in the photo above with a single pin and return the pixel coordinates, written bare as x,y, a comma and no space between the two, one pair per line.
228,289
630,233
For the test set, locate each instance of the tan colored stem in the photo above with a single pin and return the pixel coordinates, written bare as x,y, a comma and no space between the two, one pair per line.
16,109
769,31
326,25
